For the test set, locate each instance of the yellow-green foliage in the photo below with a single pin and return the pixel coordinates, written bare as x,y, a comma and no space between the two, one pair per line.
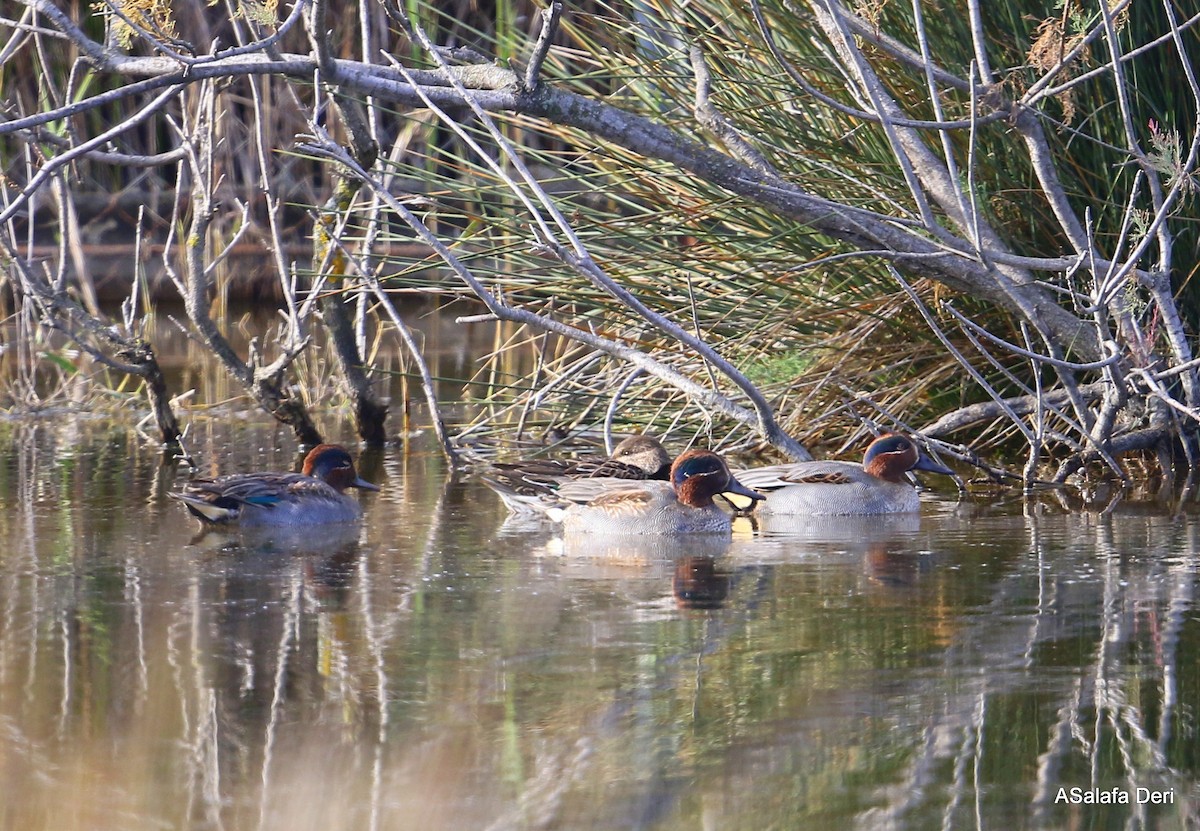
778,368
262,12
154,16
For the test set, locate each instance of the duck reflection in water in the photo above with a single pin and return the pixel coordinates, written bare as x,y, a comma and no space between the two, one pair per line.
892,549
895,566
699,584
326,555
633,550
329,577
654,572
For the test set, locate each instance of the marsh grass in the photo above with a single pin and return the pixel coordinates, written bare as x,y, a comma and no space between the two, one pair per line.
822,329
826,333
757,286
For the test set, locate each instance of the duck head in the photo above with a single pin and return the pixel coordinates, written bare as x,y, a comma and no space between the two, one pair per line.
892,455
332,464
644,453
699,475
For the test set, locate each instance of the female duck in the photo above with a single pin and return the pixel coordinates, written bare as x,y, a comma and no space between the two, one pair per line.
311,497
879,486
684,505
524,485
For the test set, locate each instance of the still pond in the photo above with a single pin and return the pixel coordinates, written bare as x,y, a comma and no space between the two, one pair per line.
993,663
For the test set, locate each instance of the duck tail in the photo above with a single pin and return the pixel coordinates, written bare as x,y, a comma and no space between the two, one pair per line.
207,511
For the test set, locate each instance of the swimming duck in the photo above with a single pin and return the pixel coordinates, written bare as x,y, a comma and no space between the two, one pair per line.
524,485
878,486
311,497
684,505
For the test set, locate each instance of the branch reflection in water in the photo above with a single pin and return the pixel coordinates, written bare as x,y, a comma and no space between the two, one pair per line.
437,667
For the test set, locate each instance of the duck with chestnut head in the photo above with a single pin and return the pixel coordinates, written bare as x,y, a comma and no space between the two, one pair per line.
315,496
683,505
878,486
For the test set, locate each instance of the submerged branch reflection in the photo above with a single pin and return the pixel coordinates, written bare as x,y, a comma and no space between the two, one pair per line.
435,667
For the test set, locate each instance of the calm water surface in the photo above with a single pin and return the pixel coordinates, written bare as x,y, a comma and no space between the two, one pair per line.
439,668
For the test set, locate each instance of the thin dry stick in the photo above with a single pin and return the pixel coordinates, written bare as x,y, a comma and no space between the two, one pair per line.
967,366
541,48
1039,421
410,343
427,386
716,123
614,404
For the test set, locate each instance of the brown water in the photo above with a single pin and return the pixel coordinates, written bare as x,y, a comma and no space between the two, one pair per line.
440,669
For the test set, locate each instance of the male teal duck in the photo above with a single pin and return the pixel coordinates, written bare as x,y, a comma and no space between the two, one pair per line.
878,486
523,485
314,496
684,505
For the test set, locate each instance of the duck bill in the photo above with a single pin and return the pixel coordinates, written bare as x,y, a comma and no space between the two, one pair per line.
364,484
741,490
926,463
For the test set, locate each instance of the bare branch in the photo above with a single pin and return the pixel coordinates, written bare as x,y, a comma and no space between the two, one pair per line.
541,48
1025,353
717,124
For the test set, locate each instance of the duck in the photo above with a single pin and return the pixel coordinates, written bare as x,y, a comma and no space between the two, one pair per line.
314,496
878,486
682,505
524,485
